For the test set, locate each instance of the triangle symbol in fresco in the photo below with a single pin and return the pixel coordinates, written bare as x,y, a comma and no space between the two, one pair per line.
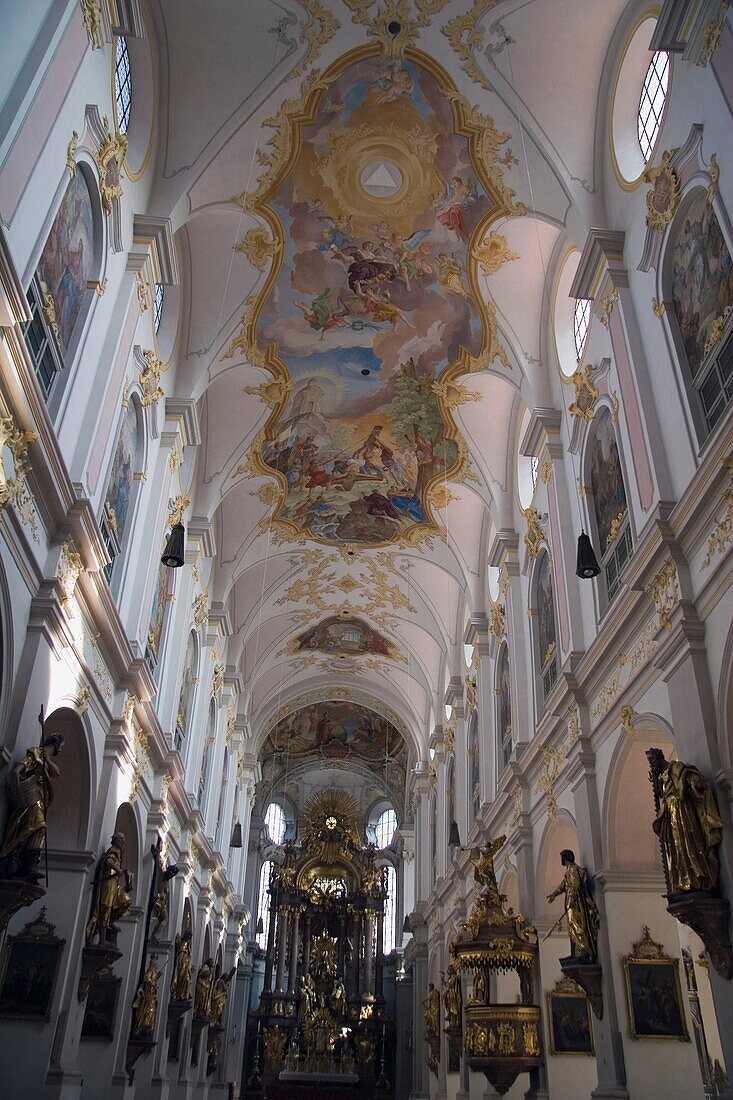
381,178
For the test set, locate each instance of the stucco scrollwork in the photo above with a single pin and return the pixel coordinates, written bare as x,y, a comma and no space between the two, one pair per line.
664,197
665,593
14,490
110,156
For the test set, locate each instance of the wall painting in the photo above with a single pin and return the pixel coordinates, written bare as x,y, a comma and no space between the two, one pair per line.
606,478
68,255
545,611
119,487
344,635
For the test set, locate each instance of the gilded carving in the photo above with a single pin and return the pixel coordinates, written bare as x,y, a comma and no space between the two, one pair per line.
14,490
553,760
177,508
606,307
69,568
91,15
109,157
586,394
259,246
546,472
711,35
150,379
378,15
715,332
71,153
535,534
316,32
493,252
628,715
714,170
497,621
573,727
453,394
664,197
49,309
142,290
665,593
217,678
201,609
615,527
660,308
465,36
517,807
722,532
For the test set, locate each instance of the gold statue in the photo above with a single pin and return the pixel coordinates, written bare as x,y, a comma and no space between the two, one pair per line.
688,823
219,997
181,978
204,979
580,909
483,866
432,1012
111,899
338,999
308,996
29,788
145,1004
453,997
480,992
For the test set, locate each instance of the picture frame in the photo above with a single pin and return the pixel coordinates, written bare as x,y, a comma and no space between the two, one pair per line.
101,1008
569,1020
28,970
654,993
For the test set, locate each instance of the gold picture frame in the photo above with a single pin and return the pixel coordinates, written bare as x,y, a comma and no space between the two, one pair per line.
654,992
569,1020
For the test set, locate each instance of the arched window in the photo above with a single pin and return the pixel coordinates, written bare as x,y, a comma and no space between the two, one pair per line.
123,86
185,699
389,936
609,502
474,768
581,324
275,824
158,298
125,459
504,707
263,904
702,291
384,828
651,103
58,288
546,634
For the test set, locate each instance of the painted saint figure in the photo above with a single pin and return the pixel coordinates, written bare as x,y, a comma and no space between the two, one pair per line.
688,824
451,208
580,909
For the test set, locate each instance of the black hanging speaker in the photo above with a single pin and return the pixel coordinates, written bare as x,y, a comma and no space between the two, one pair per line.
588,566
236,841
173,553
260,926
454,837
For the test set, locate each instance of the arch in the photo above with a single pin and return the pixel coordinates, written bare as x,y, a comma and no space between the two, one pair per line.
627,157
69,812
187,918
697,278
558,834
122,491
503,695
187,693
563,310
389,935
127,824
141,126
606,500
628,805
263,903
545,623
509,886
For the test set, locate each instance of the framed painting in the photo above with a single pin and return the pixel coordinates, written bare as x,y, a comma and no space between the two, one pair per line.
569,1019
101,1008
67,260
28,970
654,993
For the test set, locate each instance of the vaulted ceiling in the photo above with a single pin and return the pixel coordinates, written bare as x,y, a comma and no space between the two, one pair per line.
340,207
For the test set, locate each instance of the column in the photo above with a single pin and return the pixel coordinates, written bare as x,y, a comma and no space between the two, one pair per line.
354,980
380,953
270,953
419,965
282,944
307,943
369,951
294,935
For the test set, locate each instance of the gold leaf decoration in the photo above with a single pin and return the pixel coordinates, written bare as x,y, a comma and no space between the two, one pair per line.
317,32
493,252
150,379
377,15
465,36
71,153
109,157
259,246
586,394
664,197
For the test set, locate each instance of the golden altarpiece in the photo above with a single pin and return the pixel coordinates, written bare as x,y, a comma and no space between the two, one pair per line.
322,1018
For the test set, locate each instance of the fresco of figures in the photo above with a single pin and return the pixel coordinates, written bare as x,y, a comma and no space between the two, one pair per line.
702,277
119,487
372,302
606,478
340,731
545,610
341,635
68,255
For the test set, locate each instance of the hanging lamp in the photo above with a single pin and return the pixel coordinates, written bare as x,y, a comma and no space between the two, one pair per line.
236,841
587,566
454,837
174,548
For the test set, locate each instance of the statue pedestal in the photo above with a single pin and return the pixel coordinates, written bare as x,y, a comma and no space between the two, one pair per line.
135,1049
588,975
709,918
94,960
15,894
176,1009
455,1046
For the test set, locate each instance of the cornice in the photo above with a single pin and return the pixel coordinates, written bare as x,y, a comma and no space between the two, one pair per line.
603,249
14,308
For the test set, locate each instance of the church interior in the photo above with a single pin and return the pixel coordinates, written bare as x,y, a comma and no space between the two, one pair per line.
366,725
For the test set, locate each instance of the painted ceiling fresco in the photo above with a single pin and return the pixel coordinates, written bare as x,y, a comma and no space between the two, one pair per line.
372,304
336,733
344,636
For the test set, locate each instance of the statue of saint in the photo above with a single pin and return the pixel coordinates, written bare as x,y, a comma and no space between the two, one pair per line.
480,993
112,887
29,788
204,979
219,997
483,866
308,996
453,997
432,1012
145,1004
181,979
688,823
338,999
580,909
